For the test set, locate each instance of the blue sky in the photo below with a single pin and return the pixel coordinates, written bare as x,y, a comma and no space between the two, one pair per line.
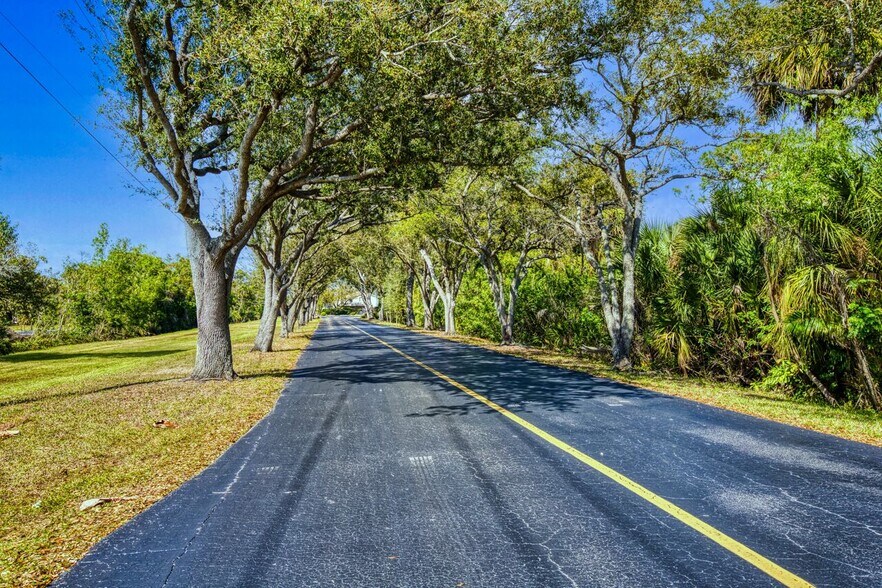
56,183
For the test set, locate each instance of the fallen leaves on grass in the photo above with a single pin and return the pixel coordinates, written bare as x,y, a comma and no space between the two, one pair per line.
93,502
164,424
10,433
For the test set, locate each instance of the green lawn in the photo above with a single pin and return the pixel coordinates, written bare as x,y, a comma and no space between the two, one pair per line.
849,423
85,415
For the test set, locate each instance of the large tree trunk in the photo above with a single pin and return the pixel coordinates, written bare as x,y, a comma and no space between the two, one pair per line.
429,299
447,292
506,329
283,316
618,312
508,325
493,278
271,300
293,313
368,305
409,319
304,313
505,309
211,285
429,313
622,347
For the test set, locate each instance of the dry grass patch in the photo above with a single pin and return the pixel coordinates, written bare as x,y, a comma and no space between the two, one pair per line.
85,416
849,423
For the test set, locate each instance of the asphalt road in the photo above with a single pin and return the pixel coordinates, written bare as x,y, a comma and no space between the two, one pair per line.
373,471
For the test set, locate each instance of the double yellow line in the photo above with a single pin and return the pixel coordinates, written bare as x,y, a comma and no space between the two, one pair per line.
747,554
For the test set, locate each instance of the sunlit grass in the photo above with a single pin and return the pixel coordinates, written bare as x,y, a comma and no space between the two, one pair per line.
849,423
85,415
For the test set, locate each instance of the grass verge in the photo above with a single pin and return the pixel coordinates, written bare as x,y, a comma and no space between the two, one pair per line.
85,415
849,423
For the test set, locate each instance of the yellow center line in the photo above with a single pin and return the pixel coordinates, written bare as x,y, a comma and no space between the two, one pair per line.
747,554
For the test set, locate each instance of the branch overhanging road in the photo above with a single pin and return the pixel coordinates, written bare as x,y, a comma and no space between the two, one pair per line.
398,459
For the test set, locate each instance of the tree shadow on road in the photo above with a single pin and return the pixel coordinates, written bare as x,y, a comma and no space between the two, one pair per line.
518,384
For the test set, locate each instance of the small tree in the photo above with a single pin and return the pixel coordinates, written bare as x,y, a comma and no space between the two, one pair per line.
403,239
493,220
446,263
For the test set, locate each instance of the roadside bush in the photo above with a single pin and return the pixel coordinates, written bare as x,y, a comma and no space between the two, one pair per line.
24,290
122,291
556,307
246,295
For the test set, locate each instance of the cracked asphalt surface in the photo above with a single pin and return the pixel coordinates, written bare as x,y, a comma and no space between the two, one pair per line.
370,471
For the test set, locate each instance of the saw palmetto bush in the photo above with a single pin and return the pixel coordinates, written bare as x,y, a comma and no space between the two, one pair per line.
777,282
701,293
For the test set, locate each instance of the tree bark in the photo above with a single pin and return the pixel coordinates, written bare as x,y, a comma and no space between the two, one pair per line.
449,317
447,292
618,312
429,312
409,319
267,329
368,305
211,286
294,313
508,326
283,315
429,298
505,308
494,279
304,314
622,350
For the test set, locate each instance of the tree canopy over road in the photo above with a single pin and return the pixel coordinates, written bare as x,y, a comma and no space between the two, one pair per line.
484,167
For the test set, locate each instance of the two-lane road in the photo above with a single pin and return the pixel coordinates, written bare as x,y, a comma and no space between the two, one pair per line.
398,459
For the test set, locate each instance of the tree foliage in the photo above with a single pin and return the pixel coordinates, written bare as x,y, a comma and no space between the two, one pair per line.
24,291
497,159
121,291
812,54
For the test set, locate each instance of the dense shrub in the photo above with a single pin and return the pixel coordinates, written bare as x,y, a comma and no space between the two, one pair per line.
246,295
121,291
24,291
557,307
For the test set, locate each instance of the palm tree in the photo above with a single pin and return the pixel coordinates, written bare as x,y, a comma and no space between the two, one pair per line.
823,260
